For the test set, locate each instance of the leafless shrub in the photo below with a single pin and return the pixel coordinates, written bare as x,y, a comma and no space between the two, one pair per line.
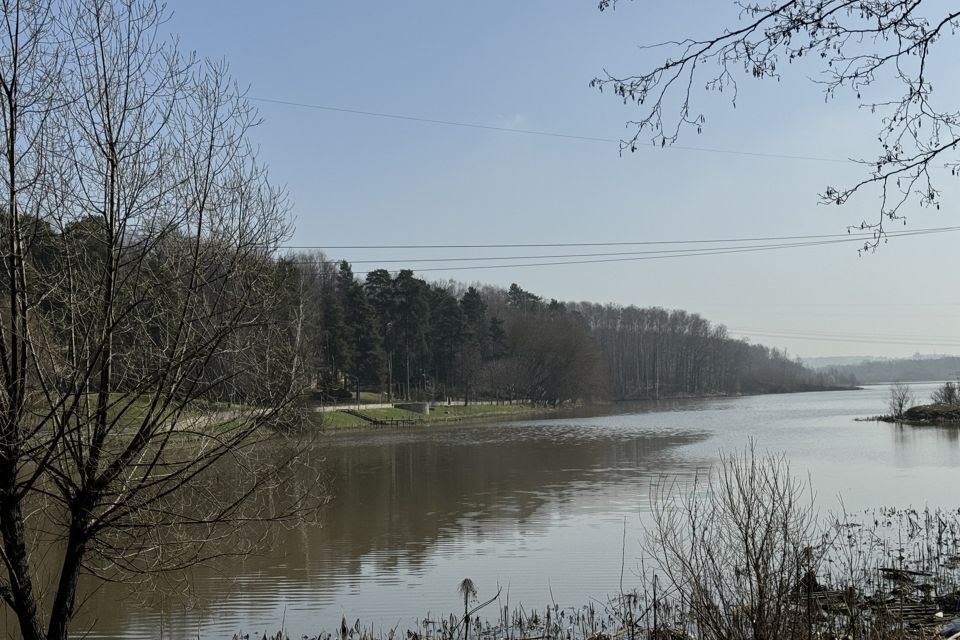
736,547
947,393
901,399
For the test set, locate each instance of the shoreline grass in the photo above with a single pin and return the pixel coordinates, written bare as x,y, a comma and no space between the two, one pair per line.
341,419
882,574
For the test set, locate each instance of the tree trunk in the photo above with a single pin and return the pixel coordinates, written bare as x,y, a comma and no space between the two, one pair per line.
64,605
21,597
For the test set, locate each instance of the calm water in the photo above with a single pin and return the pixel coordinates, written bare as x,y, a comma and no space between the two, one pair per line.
538,507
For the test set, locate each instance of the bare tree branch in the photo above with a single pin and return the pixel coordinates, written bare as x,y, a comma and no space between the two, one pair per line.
859,46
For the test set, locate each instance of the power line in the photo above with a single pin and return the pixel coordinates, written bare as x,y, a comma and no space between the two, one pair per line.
920,342
804,313
826,304
534,132
851,235
712,252
843,335
677,253
635,259
449,123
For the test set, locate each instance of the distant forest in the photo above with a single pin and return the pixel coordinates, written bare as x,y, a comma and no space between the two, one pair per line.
903,370
428,340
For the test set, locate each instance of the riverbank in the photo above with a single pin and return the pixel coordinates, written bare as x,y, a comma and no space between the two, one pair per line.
524,502
353,418
369,413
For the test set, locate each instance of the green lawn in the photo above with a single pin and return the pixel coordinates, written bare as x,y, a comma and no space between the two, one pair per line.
478,410
393,414
344,420
127,410
334,420
337,420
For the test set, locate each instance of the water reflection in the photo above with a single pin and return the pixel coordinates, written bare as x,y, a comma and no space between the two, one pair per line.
538,507
403,501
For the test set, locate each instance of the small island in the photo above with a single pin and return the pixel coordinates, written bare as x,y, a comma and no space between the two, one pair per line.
943,408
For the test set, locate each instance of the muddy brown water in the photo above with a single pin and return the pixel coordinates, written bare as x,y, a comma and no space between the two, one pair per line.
546,509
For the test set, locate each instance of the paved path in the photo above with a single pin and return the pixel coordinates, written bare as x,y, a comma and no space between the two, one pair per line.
389,405
342,407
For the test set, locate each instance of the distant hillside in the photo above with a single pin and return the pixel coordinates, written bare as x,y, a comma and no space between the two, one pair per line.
903,370
832,362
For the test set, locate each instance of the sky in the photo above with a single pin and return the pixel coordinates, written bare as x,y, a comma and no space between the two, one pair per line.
358,179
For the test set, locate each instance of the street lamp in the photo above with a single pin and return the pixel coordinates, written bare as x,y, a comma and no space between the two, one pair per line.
389,364
357,378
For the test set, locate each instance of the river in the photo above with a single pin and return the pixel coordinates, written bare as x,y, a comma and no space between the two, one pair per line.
544,508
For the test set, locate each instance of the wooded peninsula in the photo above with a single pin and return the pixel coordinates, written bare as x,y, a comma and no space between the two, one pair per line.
415,339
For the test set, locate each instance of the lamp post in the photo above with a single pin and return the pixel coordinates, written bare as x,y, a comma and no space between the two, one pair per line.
390,364
357,378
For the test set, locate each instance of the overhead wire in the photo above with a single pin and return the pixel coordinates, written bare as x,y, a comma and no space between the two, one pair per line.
814,338
619,256
780,242
844,335
530,245
534,132
609,257
666,256
847,237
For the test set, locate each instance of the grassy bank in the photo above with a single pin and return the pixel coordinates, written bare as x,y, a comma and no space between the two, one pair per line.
933,414
439,414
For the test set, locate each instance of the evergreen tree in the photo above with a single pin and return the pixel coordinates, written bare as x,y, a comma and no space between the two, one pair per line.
446,335
379,290
522,300
412,325
367,357
475,339
497,340
335,340
475,317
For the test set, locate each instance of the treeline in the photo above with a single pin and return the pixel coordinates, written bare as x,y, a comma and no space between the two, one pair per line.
312,323
902,370
209,317
418,340
654,352
414,339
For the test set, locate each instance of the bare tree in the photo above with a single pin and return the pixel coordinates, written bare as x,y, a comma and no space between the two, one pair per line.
736,547
137,233
866,47
901,399
947,393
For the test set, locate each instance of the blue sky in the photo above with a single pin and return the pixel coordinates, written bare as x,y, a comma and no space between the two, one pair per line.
526,65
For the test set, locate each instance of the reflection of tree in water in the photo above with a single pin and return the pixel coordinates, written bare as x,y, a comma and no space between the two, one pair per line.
909,437
410,494
398,496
